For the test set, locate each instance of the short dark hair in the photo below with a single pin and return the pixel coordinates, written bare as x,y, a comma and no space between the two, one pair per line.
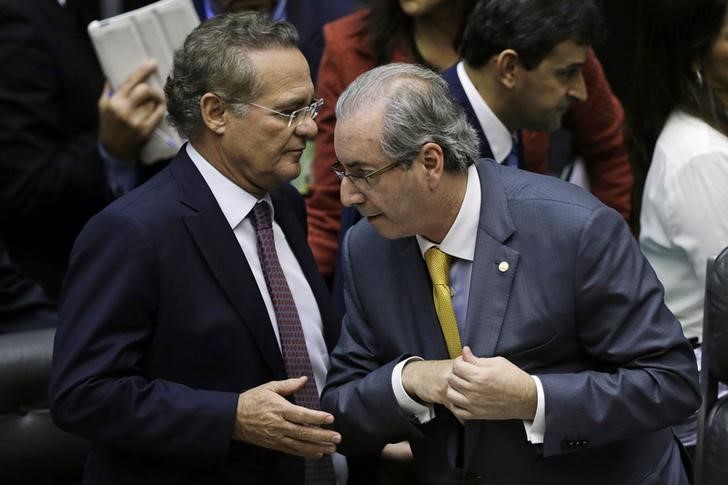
532,28
213,59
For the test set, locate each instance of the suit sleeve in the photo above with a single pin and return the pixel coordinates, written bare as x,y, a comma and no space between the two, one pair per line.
644,373
98,389
45,164
358,389
598,128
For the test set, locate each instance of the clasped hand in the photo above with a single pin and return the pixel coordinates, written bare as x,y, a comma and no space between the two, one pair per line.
473,388
266,418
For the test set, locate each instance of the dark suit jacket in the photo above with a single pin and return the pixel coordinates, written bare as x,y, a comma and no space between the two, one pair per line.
579,307
51,174
162,326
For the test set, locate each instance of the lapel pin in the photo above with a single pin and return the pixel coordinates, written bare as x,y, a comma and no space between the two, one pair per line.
503,266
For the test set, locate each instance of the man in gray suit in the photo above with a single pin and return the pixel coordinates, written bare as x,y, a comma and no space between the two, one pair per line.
550,357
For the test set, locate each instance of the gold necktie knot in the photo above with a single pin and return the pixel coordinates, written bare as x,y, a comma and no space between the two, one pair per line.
438,265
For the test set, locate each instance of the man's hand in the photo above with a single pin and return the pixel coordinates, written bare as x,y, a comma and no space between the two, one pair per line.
265,418
128,117
426,380
492,388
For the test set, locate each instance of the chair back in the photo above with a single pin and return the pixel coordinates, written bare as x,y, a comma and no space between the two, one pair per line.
32,449
711,459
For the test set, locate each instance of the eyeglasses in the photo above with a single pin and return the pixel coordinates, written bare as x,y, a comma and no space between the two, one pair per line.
358,178
296,118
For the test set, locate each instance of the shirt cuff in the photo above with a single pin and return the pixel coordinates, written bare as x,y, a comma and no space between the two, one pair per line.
536,429
120,175
414,410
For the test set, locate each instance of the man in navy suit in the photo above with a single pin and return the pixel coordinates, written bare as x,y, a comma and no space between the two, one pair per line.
527,74
168,352
558,362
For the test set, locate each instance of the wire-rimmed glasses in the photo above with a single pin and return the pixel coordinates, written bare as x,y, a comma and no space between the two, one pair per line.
296,118
361,180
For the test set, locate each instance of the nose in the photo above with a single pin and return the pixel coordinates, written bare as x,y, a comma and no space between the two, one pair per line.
349,194
308,128
577,89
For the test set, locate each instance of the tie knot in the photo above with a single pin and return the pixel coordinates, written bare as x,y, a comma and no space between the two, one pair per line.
438,264
261,216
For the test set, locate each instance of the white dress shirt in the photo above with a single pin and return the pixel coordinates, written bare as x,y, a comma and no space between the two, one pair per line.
459,242
498,136
236,204
684,217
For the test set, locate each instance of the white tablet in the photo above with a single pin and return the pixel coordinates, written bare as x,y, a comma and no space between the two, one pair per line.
124,41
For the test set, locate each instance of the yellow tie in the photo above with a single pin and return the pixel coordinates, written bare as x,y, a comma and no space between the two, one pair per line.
438,264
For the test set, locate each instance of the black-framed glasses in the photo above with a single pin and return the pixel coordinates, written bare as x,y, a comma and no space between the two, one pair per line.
296,118
358,178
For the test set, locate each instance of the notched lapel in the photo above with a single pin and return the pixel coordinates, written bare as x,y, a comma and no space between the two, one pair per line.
490,290
212,235
227,262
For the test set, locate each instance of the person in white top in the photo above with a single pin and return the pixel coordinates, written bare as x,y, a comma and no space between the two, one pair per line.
680,129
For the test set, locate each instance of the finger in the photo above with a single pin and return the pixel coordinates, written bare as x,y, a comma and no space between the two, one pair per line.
305,448
468,356
458,383
139,75
152,121
458,399
143,94
106,93
302,415
463,369
312,434
288,386
461,414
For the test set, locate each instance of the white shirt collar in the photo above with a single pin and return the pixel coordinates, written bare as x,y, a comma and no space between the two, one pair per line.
460,239
234,202
499,138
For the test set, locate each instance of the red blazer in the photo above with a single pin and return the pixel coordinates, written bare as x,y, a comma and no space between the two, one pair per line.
595,124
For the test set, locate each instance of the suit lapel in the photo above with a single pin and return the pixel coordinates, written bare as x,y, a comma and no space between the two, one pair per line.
492,278
220,249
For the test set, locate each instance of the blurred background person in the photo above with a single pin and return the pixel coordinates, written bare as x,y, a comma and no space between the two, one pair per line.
680,127
65,152
428,32
308,16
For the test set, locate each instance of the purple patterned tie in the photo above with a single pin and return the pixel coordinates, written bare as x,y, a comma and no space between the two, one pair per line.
293,343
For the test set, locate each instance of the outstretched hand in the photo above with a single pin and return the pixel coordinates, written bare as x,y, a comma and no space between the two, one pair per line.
265,418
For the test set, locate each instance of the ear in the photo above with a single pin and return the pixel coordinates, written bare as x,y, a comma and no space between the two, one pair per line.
507,68
213,112
433,160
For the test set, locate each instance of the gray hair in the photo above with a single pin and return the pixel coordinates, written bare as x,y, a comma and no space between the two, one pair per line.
418,110
214,59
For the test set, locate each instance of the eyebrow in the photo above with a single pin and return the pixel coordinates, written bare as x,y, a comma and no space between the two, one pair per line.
294,104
